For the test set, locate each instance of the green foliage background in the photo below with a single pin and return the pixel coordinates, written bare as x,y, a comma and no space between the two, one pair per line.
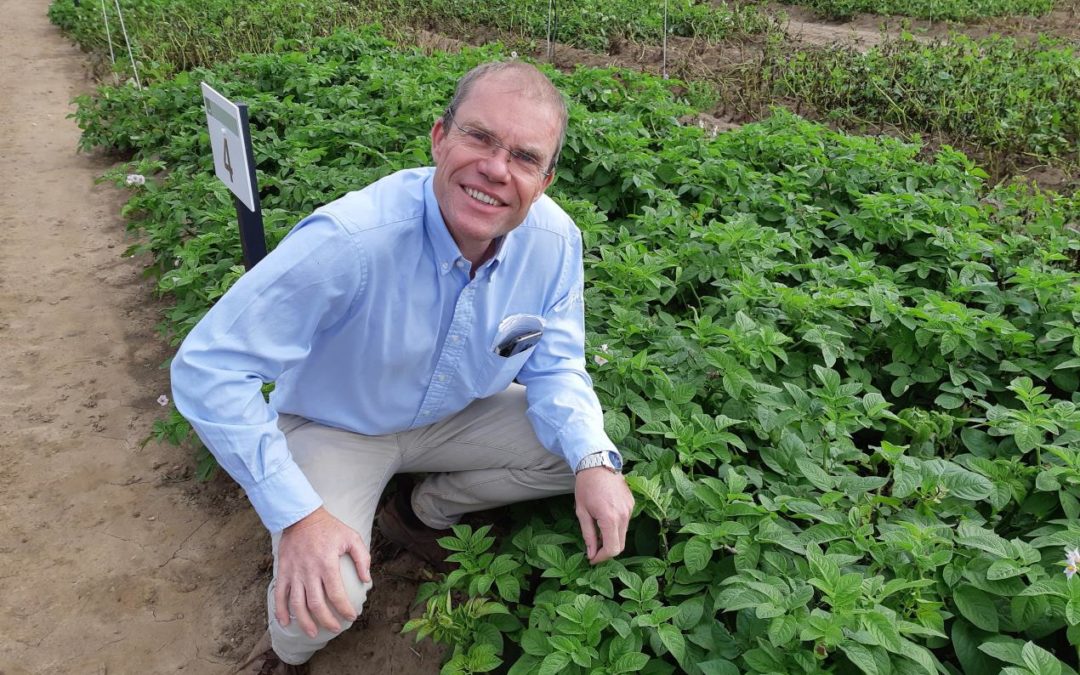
845,377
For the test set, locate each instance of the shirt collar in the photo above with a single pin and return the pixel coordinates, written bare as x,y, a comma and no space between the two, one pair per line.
447,253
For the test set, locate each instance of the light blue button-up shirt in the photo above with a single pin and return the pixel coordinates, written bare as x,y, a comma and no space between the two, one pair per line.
367,319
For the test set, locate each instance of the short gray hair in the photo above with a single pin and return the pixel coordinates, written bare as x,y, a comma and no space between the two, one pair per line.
547,91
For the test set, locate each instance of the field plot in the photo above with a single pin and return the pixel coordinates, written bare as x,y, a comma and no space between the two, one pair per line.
843,368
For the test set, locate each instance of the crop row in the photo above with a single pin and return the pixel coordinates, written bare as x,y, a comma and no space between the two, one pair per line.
956,10
845,378
1011,102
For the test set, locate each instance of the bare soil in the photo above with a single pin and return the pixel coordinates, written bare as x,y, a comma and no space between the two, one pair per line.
113,559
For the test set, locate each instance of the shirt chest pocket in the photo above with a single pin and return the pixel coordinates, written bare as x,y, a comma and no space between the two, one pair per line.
513,344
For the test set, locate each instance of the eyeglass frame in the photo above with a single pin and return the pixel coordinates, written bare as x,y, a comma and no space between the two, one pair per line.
495,142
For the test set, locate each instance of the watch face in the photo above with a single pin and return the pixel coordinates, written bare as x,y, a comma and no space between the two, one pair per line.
615,459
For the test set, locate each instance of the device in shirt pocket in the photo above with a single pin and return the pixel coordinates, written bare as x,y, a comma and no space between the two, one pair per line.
517,333
514,343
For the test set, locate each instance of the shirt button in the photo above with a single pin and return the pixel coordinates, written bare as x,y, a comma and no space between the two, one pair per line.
454,338
442,378
445,266
461,263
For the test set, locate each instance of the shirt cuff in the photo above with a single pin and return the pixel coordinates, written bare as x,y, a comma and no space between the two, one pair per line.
283,498
576,446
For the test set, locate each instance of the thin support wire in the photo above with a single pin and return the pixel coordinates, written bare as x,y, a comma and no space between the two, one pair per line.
664,66
552,26
108,36
128,42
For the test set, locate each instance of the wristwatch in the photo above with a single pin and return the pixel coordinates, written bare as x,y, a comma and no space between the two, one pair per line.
609,459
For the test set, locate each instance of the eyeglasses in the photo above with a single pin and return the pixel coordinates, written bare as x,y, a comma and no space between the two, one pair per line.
522,164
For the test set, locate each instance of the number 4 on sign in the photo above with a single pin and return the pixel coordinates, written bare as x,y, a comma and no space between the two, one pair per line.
225,152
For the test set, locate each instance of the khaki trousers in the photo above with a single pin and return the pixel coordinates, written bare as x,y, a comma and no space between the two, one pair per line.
485,456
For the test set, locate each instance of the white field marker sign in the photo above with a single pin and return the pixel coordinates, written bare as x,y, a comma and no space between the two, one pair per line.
234,164
230,140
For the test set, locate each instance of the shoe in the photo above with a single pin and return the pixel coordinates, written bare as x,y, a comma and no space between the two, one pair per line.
264,661
416,538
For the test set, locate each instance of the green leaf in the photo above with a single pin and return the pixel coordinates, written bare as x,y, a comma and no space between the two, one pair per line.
535,642
1004,648
883,629
949,401
861,656
673,639
1027,438
1039,660
966,640
977,607
1072,612
920,655
782,630
629,663
972,535
718,667
481,658
1004,569
553,663
978,441
616,425
697,554
965,484
1026,611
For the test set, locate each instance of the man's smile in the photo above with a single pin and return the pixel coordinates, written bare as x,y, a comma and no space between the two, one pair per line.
483,197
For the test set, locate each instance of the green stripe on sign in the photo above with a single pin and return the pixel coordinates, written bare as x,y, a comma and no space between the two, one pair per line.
222,115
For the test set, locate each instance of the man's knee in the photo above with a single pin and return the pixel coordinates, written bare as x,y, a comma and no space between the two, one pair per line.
355,589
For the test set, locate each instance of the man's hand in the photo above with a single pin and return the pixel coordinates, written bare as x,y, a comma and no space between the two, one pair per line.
602,499
309,573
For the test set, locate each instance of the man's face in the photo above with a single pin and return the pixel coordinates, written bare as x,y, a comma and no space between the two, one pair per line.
482,192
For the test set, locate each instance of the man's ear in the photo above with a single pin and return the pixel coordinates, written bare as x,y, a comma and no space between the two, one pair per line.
438,137
544,185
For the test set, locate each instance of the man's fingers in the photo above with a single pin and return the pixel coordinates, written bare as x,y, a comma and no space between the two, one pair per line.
319,606
362,559
588,532
298,610
281,603
614,541
338,598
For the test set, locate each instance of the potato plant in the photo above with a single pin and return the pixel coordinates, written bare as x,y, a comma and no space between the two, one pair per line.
845,376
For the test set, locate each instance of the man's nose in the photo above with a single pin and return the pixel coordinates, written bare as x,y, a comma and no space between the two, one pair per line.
496,166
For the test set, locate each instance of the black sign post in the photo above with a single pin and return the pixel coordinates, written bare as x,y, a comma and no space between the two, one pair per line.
252,234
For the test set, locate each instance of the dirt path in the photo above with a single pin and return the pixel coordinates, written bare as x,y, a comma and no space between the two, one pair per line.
112,560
